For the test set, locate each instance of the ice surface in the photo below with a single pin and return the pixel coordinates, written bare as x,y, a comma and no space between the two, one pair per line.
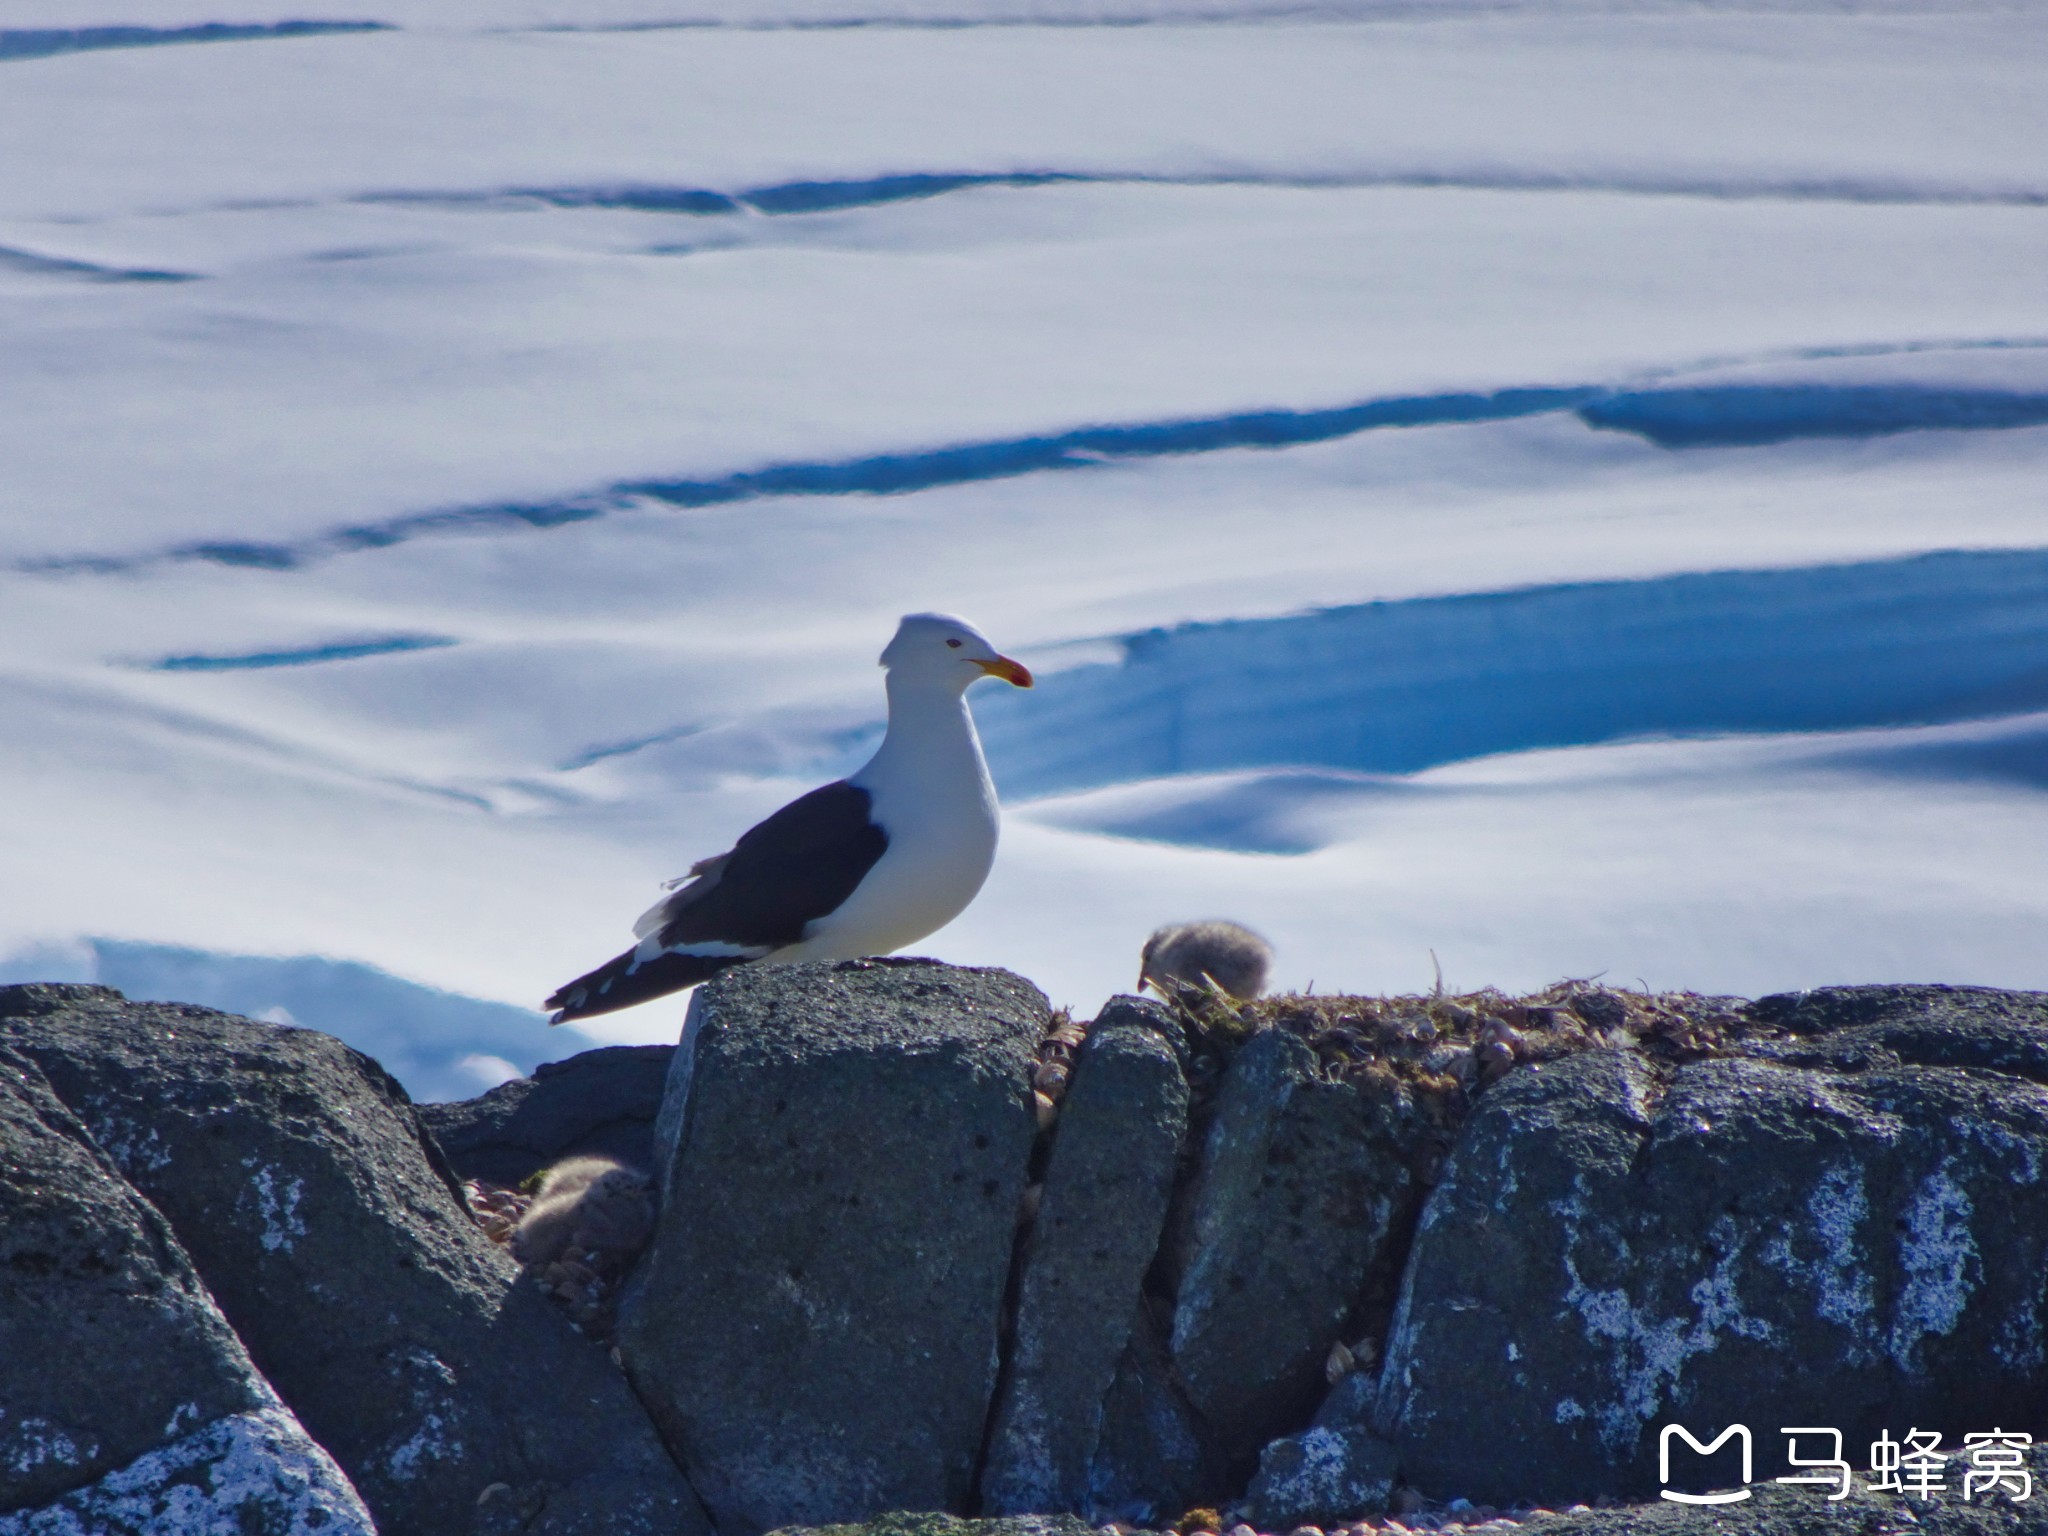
1555,486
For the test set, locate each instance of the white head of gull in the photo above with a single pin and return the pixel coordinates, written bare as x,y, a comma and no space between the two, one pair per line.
863,866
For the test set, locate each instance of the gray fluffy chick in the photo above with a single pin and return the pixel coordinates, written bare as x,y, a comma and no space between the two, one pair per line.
596,1203
1181,955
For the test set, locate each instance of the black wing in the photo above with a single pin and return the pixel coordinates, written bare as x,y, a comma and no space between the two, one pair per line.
792,869
796,866
626,979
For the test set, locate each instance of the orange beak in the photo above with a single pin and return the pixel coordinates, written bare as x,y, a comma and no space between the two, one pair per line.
1009,671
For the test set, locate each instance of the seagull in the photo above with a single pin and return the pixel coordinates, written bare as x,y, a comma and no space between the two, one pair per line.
859,867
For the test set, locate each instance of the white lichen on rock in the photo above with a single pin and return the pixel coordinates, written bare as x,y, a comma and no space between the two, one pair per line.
279,1211
1841,1275
1941,1267
29,1441
252,1474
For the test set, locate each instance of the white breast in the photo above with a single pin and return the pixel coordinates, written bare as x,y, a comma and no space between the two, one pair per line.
932,795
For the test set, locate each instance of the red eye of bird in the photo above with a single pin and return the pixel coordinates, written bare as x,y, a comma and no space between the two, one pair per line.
954,643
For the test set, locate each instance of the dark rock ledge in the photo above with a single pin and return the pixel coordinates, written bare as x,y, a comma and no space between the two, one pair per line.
1341,1263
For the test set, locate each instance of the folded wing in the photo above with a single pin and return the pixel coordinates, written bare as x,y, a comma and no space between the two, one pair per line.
799,865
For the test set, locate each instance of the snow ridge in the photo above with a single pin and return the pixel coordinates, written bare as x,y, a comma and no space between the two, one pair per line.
42,42
1723,415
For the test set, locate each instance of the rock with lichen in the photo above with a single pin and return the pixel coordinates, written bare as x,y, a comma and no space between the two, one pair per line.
1842,1224
1299,1201
905,1523
294,1172
127,1404
1154,1457
916,1230
1107,1182
1335,1470
841,1156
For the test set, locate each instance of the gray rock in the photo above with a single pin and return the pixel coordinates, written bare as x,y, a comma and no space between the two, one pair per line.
1335,1470
1303,1189
815,1324
251,1474
599,1103
1153,1459
1825,1010
1107,1183
295,1174
125,1398
1856,1028
1608,1254
907,1524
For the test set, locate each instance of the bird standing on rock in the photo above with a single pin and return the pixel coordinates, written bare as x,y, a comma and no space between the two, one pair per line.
860,867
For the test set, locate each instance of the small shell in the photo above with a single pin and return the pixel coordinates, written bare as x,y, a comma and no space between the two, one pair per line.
1050,1079
491,1493
1044,1109
1501,1032
1494,1059
1336,1368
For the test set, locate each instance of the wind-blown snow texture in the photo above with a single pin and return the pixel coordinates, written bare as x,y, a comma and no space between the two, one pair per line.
1558,486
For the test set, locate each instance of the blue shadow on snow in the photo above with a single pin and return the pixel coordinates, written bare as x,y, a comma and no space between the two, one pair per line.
1395,687
304,656
1729,415
42,42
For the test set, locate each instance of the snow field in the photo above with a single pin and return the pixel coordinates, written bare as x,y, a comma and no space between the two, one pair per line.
1461,479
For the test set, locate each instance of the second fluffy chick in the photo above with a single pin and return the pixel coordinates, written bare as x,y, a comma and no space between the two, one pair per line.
1182,956
594,1203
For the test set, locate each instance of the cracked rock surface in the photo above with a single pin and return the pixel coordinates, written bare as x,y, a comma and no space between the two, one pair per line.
815,1326
1848,1229
126,1402
600,1102
1107,1185
1297,1201
293,1171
